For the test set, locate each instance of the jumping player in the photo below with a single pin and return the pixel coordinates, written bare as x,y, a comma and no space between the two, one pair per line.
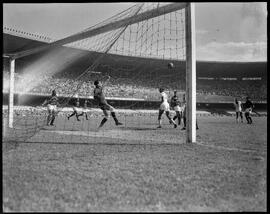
175,104
99,97
76,109
164,107
238,110
248,109
51,103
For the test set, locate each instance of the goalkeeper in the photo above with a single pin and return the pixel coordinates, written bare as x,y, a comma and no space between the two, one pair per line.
99,98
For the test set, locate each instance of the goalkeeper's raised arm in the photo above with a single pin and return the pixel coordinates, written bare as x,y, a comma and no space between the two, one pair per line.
45,102
107,80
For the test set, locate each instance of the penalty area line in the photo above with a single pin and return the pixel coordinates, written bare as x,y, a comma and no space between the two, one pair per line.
227,148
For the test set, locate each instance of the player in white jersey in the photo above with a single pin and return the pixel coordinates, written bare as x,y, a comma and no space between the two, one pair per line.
84,110
76,109
164,107
238,110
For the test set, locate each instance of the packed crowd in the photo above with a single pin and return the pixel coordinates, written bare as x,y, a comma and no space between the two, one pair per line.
139,87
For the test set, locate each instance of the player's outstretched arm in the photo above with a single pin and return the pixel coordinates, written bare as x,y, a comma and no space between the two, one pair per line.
107,80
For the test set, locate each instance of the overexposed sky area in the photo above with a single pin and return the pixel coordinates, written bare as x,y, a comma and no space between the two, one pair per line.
224,31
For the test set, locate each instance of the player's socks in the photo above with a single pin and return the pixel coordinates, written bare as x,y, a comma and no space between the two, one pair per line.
115,119
173,122
48,120
78,115
247,118
71,115
170,119
174,118
179,120
159,123
102,122
53,118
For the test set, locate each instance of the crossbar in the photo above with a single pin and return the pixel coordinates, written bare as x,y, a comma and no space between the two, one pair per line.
105,28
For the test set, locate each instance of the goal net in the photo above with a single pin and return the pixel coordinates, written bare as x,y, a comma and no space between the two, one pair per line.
128,53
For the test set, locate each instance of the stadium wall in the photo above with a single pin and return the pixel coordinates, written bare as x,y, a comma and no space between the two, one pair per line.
36,100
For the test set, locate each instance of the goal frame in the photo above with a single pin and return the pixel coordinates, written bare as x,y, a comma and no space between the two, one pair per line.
190,56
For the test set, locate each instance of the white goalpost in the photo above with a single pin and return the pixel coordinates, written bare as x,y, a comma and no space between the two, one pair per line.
135,18
191,72
11,93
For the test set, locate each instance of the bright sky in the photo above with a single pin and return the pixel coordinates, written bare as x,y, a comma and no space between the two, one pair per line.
224,31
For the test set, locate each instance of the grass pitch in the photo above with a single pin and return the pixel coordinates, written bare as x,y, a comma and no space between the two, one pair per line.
138,168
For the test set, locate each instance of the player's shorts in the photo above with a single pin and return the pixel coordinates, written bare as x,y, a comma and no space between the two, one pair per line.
84,110
248,110
177,108
52,107
107,107
165,106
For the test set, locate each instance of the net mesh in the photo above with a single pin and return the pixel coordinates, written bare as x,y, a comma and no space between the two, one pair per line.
133,60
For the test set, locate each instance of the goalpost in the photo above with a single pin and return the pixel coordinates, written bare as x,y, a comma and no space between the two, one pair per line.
191,72
112,26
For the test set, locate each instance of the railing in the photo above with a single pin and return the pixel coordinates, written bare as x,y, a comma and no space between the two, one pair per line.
28,35
36,100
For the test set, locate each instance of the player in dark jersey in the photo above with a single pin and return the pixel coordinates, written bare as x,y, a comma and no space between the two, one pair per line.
185,114
99,98
248,105
51,103
238,110
175,104
76,109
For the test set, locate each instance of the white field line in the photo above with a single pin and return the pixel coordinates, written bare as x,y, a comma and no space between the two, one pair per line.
227,148
127,135
112,134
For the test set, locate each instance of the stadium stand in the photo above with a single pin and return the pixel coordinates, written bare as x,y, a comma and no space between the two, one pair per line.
227,79
145,88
